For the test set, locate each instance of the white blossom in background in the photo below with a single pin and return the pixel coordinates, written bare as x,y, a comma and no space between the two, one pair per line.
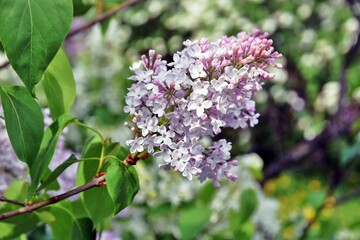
208,86
158,187
346,234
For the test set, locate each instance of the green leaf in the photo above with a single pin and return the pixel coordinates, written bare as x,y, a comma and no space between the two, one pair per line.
115,149
122,183
15,226
47,149
60,169
248,204
348,153
87,169
98,204
16,191
244,232
45,216
24,122
53,185
80,8
206,193
192,221
59,85
65,223
32,32
78,208
84,231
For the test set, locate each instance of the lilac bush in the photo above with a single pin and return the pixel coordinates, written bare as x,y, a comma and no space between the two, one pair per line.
208,86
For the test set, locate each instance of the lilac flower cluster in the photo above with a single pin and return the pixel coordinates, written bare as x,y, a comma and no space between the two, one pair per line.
207,87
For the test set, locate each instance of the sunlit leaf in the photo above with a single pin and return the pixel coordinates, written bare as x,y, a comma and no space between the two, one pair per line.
45,216
32,32
59,85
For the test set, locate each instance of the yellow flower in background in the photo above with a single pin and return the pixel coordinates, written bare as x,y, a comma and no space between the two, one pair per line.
309,213
288,233
315,184
270,187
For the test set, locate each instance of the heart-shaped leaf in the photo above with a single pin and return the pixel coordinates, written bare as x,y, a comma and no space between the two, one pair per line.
122,183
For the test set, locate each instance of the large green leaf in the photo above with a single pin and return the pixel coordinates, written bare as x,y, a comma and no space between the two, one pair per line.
84,230
24,122
32,32
47,149
98,204
122,183
59,85
66,224
87,170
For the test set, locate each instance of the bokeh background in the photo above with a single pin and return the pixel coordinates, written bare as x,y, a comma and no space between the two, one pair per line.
298,168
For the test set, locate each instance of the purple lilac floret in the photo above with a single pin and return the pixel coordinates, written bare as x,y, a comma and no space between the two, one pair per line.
208,86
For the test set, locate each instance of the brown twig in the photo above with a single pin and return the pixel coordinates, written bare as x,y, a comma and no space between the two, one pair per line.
4,199
102,17
92,22
349,58
5,64
98,181
306,148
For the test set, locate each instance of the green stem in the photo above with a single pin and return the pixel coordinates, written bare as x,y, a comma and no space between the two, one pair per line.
102,159
90,128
